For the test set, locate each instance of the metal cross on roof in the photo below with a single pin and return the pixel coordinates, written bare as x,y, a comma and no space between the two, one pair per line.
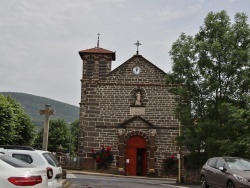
137,44
98,40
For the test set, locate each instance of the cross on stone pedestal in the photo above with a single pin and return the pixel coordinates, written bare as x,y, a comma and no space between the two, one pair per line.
46,112
137,44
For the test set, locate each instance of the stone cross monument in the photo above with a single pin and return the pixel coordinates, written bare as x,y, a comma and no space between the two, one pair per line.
46,112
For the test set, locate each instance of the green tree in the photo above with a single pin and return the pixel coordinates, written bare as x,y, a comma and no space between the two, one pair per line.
6,123
212,77
74,131
16,126
59,134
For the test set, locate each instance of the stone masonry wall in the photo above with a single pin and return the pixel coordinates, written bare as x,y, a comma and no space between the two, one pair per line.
108,101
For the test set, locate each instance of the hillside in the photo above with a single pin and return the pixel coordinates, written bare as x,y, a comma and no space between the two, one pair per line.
32,104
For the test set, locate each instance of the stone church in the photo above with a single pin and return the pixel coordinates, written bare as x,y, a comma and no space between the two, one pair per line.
129,108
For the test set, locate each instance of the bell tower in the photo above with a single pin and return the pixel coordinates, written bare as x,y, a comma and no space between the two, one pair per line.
96,63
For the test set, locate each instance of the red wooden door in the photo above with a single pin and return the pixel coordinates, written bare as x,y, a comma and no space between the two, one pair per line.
131,165
133,144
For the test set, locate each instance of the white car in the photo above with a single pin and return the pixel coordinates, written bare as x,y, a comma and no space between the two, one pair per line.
39,158
16,173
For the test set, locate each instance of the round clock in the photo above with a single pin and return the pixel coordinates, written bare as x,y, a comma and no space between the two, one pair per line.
136,70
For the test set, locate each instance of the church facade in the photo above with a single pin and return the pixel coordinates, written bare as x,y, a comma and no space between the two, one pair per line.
129,109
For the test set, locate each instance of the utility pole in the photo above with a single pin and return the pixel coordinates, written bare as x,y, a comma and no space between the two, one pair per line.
70,128
179,157
46,112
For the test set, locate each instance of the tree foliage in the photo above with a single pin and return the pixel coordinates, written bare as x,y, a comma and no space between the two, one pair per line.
74,130
16,127
212,76
60,133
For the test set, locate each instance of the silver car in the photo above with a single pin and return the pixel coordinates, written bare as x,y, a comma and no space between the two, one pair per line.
226,172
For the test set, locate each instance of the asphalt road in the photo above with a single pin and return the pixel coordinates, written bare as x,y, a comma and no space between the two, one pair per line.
92,181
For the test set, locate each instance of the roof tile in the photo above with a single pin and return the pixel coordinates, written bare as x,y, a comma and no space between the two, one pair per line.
96,50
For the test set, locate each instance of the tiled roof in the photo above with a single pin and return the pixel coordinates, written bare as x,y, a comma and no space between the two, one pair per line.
97,50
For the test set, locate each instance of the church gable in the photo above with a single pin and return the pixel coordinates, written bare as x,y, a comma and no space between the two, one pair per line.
136,70
135,119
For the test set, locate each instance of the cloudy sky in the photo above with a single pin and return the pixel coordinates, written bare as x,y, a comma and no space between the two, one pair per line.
40,39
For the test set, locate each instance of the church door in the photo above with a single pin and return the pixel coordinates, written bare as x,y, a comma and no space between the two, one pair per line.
136,156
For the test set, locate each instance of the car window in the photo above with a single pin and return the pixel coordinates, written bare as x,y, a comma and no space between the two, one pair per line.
212,163
23,157
220,163
238,164
51,159
15,162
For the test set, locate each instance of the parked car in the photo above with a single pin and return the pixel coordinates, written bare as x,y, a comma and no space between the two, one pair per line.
39,158
16,173
226,172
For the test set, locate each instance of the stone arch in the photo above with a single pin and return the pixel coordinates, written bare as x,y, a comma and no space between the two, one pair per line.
147,152
136,133
136,156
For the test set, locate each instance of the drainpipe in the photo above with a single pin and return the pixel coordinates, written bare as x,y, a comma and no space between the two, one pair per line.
179,161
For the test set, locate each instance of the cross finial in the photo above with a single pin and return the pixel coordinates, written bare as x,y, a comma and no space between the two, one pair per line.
98,40
137,44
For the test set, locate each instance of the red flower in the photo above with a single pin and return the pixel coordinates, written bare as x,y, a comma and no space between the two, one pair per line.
93,150
108,148
98,159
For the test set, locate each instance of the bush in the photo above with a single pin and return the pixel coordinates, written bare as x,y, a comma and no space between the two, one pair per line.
195,160
170,166
103,158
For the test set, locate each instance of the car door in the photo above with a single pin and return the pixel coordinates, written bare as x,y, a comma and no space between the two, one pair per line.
220,176
210,171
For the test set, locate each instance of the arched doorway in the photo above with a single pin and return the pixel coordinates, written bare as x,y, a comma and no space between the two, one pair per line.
136,156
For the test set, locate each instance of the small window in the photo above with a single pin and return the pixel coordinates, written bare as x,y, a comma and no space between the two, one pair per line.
212,163
51,159
15,162
23,157
220,163
90,68
102,68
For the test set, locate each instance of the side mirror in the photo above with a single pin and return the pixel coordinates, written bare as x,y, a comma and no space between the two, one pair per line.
222,169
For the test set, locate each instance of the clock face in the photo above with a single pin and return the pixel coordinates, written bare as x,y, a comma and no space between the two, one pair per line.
136,70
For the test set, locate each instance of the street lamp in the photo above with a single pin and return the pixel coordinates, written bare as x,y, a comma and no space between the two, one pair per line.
70,129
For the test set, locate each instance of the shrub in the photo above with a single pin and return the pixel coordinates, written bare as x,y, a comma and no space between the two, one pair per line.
170,166
103,158
195,160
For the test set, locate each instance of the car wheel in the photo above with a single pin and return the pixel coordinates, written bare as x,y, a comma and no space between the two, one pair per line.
230,184
204,182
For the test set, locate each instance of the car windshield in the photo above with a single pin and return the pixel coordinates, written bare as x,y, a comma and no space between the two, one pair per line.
51,159
238,164
15,162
